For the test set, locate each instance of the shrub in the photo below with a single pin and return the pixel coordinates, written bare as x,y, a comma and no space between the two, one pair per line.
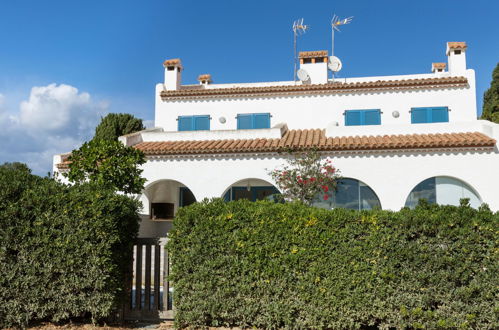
269,265
64,251
306,177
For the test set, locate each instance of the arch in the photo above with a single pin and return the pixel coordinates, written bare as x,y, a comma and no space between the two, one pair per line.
250,188
350,194
443,190
162,198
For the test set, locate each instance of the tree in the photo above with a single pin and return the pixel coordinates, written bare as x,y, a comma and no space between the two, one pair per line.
305,177
490,110
115,125
16,166
107,163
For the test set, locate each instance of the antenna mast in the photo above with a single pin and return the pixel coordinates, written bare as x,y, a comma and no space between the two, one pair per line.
298,29
335,23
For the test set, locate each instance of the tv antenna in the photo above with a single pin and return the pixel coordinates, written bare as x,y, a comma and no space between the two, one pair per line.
335,23
298,29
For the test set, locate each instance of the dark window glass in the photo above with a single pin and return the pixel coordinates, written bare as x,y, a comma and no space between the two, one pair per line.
186,197
424,190
347,194
350,194
162,210
368,199
242,193
253,194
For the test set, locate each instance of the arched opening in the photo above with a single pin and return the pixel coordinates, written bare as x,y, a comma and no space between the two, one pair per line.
251,189
442,190
164,198
349,194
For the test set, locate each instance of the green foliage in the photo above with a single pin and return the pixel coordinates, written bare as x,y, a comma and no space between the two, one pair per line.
115,125
305,177
16,166
490,109
268,265
64,250
109,164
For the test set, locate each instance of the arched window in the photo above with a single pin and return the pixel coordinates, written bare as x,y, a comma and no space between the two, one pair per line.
251,189
350,194
442,190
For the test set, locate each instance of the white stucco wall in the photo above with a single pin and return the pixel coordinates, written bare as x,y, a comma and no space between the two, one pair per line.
392,175
317,111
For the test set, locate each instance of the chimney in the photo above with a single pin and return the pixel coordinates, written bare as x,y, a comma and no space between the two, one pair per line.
204,79
173,75
456,57
438,67
315,63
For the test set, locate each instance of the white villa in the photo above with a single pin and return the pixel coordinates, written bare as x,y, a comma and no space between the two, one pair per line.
395,139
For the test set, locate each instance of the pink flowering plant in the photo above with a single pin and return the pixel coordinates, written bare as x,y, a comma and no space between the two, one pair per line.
305,177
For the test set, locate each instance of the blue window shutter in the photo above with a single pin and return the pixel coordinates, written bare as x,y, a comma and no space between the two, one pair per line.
244,121
261,120
419,115
202,123
352,118
372,117
439,115
185,123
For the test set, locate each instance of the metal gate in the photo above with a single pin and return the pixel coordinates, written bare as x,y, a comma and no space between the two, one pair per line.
149,295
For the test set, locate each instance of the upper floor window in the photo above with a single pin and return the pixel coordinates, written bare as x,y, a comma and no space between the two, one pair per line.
362,117
193,123
253,120
429,115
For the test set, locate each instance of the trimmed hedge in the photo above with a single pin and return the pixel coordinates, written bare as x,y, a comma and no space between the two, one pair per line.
269,265
64,250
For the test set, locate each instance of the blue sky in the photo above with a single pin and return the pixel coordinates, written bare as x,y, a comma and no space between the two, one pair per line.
63,64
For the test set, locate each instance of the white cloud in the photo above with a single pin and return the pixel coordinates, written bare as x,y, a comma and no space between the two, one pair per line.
54,119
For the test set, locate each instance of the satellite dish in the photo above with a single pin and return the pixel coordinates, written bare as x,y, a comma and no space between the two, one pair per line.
303,75
334,64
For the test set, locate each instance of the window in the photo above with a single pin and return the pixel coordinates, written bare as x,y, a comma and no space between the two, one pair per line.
162,210
349,194
186,197
193,123
253,120
252,193
442,190
362,117
429,115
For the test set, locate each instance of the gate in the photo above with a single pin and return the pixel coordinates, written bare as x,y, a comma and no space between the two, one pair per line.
148,291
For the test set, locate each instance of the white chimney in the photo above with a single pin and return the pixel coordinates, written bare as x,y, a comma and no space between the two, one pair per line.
315,63
204,79
438,67
456,57
173,74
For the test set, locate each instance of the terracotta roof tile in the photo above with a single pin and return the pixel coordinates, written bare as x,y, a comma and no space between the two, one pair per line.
172,62
312,54
310,138
314,139
438,65
206,77
329,88
457,44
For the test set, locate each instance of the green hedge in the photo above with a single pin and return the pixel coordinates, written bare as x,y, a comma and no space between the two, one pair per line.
64,250
269,265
